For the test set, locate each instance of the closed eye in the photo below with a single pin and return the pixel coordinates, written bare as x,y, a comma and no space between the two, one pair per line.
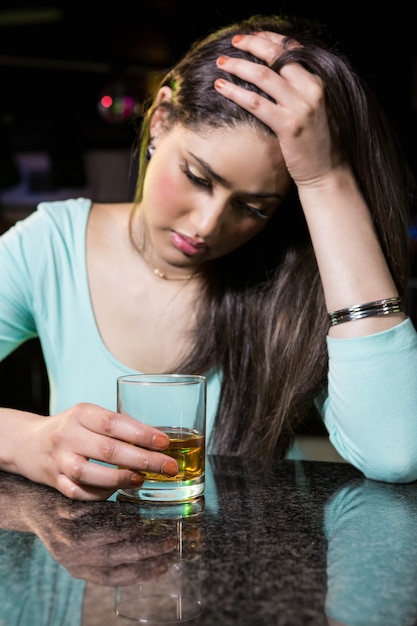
196,180
207,185
241,204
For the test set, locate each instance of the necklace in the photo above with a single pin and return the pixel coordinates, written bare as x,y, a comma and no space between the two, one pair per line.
163,276
160,274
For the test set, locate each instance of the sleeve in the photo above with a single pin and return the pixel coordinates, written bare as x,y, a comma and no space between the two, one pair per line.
371,408
19,258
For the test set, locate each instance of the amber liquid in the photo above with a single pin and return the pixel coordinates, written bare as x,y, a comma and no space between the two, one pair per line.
188,449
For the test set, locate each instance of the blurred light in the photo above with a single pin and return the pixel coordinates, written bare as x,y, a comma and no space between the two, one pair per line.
116,105
106,102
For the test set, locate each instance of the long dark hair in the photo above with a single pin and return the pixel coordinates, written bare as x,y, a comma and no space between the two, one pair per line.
262,317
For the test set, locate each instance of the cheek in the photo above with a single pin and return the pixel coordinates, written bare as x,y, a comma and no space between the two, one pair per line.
163,193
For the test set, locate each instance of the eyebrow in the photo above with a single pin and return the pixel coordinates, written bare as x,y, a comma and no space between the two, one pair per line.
227,184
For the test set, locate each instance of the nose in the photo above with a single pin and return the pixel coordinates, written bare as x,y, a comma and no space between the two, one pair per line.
208,218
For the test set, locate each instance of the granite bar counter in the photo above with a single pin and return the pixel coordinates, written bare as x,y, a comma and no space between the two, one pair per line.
292,544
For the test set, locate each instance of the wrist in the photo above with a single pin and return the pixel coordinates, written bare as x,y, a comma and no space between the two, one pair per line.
339,181
16,437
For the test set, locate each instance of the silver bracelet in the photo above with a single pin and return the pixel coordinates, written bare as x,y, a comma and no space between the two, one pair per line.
370,309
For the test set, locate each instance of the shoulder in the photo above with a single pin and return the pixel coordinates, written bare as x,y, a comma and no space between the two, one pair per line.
52,226
105,213
108,222
55,215
72,211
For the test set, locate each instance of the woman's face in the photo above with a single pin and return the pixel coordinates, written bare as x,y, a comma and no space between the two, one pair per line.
206,194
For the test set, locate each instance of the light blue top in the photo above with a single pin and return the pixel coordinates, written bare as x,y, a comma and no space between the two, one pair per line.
371,409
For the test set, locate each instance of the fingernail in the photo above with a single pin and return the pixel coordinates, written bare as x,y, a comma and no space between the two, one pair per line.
159,569
136,480
221,60
237,38
170,468
219,83
160,441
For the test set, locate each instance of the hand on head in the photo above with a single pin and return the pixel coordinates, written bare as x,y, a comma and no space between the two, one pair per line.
296,109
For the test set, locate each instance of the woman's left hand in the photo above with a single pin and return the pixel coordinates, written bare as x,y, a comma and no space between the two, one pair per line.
299,118
338,217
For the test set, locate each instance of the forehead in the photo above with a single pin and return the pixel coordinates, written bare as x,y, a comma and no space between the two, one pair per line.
247,157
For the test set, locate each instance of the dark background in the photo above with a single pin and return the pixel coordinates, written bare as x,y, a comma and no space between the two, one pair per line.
57,59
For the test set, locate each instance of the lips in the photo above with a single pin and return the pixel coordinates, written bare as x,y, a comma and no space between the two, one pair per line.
187,245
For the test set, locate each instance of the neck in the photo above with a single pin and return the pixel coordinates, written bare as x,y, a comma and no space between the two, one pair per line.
139,247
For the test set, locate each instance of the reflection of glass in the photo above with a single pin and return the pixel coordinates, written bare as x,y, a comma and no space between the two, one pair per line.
371,569
50,547
174,596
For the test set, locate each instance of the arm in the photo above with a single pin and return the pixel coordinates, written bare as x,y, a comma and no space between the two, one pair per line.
371,408
55,450
351,263
370,411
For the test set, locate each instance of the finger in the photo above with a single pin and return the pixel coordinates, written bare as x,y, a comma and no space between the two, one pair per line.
285,41
114,452
94,482
130,550
265,45
120,575
281,86
80,536
120,426
77,472
293,88
260,107
72,511
75,491
262,76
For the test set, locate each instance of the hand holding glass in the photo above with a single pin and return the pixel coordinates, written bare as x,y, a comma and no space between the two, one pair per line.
175,404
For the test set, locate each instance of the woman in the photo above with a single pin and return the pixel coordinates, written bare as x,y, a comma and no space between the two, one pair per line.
270,192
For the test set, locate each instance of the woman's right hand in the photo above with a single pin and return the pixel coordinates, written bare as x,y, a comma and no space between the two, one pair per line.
55,450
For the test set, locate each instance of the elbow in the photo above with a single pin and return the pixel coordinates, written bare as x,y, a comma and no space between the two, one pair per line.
389,463
394,470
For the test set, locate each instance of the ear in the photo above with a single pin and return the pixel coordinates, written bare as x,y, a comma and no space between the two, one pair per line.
161,113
